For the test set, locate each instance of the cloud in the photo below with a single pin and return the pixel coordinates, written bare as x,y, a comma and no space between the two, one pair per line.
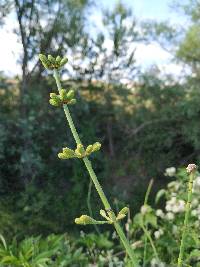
151,54
10,49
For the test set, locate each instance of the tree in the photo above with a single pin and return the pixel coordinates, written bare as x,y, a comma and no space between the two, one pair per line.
42,26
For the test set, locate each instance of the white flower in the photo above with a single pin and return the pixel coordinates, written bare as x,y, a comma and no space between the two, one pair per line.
157,234
191,168
170,171
168,207
175,208
157,263
175,205
174,194
197,181
181,205
153,262
195,202
161,232
170,216
160,213
198,210
196,184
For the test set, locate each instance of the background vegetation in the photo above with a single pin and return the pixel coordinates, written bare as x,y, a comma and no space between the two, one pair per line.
146,124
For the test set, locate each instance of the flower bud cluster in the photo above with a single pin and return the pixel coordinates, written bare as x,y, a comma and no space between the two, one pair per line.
63,98
79,152
50,63
175,205
191,168
85,219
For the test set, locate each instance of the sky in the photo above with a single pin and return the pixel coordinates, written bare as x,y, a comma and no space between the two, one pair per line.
146,55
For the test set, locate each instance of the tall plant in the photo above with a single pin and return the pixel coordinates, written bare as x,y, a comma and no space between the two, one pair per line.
64,99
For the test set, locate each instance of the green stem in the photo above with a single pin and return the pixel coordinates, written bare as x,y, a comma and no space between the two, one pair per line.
151,241
186,220
89,205
95,180
146,226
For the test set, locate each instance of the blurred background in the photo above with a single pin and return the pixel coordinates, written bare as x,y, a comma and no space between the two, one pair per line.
135,66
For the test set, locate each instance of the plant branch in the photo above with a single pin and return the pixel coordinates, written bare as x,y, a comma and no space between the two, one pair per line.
95,180
186,220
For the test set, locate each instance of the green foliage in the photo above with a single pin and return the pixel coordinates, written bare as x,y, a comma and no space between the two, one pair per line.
37,252
165,224
189,48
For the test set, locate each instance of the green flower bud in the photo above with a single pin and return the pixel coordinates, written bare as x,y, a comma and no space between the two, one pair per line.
44,61
43,58
69,153
70,94
58,59
63,94
80,151
61,156
54,102
72,101
63,62
51,59
84,219
122,214
96,146
53,95
89,149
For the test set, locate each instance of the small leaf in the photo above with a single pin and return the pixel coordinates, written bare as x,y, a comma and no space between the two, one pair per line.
150,218
138,219
3,241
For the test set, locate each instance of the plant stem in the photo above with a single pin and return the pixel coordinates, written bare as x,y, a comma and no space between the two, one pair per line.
151,241
186,220
95,180
145,203
89,205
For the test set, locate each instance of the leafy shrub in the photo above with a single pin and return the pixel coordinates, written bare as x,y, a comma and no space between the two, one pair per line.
165,225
